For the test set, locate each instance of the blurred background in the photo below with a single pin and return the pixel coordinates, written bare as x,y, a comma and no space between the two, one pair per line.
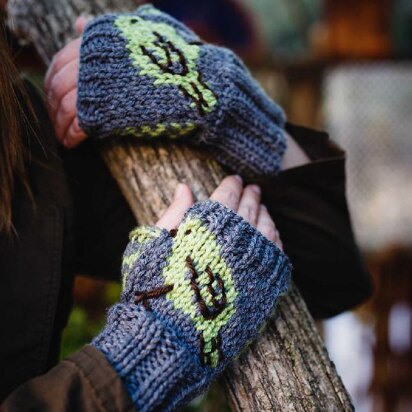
344,66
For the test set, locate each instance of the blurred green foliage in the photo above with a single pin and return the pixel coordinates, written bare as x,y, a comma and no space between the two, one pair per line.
79,331
81,327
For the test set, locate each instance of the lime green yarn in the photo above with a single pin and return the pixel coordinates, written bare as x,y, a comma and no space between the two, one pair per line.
172,130
141,33
195,240
152,11
141,235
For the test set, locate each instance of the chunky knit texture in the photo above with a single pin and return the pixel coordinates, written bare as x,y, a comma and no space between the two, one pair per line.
192,299
147,75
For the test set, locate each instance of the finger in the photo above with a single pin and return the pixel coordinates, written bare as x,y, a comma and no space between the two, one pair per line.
65,114
228,192
183,199
279,242
266,226
62,83
80,24
75,135
67,54
250,203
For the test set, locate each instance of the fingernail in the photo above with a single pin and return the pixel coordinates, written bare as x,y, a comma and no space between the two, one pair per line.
256,189
238,178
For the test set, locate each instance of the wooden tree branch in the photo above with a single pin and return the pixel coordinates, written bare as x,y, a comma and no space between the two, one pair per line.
289,368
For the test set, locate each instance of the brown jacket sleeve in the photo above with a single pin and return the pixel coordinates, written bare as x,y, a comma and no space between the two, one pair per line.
83,382
309,207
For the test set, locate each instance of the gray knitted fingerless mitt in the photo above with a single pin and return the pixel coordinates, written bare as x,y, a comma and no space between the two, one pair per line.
192,299
146,74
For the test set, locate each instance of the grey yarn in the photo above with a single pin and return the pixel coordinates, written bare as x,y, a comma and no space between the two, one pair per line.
147,75
193,298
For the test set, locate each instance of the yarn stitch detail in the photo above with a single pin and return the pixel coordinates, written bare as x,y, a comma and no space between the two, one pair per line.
158,51
147,75
172,130
193,299
138,237
198,282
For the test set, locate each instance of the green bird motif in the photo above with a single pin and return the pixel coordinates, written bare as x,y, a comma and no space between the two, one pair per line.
198,283
158,51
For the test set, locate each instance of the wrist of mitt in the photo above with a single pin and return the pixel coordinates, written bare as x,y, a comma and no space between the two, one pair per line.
147,75
192,299
156,368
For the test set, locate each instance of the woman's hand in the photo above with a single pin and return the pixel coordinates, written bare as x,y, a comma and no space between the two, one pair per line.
196,295
61,89
245,201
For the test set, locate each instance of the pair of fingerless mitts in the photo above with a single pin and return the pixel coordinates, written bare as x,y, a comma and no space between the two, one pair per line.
195,296
192,299
147,75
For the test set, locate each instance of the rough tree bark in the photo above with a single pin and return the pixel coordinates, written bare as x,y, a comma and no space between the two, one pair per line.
288,369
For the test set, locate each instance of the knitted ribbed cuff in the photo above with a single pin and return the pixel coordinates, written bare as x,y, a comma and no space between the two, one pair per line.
250,148
246,131
156,368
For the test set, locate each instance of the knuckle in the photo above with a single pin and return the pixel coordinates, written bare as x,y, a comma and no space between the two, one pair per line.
66,106
252,210
248,213
55,85
53,61
231,195
57,59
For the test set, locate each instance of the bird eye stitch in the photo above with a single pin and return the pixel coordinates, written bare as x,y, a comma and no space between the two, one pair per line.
144,297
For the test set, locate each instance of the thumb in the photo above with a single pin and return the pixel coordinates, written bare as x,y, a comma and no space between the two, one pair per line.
80,24
183,199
